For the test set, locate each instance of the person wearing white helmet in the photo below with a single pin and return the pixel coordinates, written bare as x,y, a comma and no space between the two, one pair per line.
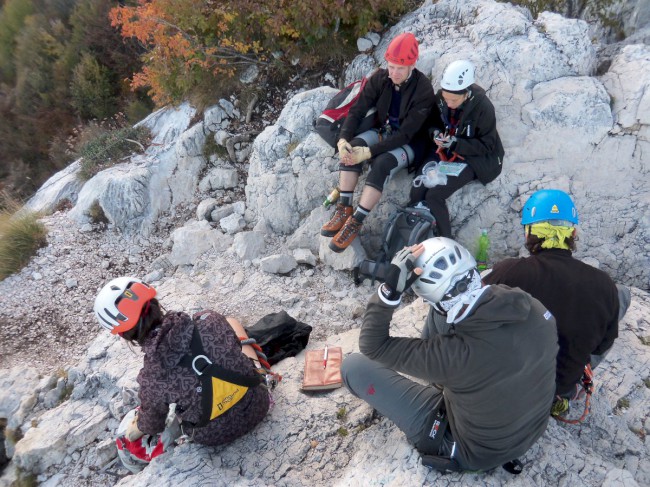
487,355
584,300
402,97
464,129
180,354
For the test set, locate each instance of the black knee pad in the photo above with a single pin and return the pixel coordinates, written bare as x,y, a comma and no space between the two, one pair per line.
380,169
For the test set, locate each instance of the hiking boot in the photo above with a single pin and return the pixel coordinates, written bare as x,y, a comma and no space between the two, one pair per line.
341,214
346,235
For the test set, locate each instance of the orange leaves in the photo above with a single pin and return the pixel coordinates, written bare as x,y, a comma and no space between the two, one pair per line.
189,39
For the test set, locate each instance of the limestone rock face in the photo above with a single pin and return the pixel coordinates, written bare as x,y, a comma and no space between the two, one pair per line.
561,126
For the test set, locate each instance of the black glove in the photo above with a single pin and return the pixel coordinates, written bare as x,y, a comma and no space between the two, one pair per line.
400,275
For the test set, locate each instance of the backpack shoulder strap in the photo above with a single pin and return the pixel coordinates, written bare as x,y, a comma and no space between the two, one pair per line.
203,366
388,231
206,370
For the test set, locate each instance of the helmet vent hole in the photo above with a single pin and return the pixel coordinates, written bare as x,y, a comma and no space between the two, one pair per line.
427,281
435,275
441,264
452,259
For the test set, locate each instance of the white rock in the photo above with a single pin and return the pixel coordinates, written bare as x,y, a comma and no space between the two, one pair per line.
249,245
205,208
278,264
232,224
364,44
193,239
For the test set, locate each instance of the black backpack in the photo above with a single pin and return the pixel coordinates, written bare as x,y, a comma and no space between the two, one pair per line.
408,226
328,124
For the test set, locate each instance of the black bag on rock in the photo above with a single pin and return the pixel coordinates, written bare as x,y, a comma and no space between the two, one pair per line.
280,336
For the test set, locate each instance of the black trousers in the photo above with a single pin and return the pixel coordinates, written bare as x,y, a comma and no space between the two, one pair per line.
436,197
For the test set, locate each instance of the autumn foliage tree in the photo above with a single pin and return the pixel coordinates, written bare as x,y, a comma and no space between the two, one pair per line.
190,41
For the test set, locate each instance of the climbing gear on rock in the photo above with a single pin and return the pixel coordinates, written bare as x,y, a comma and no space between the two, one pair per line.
550,205
346,235
271,379
561,405
119,305
458,76
135,454
442,260
403,50
340,216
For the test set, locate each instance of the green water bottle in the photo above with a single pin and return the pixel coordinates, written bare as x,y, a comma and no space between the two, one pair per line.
482,252
333,197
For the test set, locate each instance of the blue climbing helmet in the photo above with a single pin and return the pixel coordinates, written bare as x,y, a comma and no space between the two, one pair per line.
550,205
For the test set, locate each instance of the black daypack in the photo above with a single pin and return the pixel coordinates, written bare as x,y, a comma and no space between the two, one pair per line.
408,226
328,124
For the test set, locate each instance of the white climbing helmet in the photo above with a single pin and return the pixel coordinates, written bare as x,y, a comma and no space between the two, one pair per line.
458,76
119,304
442,260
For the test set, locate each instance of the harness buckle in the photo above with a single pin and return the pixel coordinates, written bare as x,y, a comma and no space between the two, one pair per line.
202,369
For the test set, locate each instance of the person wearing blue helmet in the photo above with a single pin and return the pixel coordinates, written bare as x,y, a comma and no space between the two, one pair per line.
586,303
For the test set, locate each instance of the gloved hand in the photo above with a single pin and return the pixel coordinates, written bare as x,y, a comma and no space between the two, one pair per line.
132,430
344,147
449,143
360,154
402,273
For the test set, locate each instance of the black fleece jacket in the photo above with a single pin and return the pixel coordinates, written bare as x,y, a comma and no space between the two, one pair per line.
417,101
583,299
477,138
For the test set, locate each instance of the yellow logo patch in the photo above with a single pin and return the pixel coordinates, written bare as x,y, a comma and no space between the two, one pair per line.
555,209
224,396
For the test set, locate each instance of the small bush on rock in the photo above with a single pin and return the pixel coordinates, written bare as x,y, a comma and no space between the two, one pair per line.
108,147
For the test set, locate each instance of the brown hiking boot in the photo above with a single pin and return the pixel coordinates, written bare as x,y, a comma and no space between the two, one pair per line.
346,235
337,221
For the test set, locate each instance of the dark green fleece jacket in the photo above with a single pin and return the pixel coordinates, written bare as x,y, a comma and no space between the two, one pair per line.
497,367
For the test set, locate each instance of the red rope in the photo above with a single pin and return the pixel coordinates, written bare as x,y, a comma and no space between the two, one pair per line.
588,385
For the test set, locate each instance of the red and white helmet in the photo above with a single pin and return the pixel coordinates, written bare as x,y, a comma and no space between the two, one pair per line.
403,50
119,304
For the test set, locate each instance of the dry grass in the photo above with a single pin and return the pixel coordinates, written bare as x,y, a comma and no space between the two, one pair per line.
21,235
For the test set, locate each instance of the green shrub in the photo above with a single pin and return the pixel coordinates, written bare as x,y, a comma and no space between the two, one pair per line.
21,235
108,147
91,89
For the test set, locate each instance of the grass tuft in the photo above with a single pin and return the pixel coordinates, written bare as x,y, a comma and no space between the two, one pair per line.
21,235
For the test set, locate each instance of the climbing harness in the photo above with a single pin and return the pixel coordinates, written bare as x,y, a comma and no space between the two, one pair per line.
220,388
588,387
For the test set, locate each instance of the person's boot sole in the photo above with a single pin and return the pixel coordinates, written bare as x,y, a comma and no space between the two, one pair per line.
328,233
336,249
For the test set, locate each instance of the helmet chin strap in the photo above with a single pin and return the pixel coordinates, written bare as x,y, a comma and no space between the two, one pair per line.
460,293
